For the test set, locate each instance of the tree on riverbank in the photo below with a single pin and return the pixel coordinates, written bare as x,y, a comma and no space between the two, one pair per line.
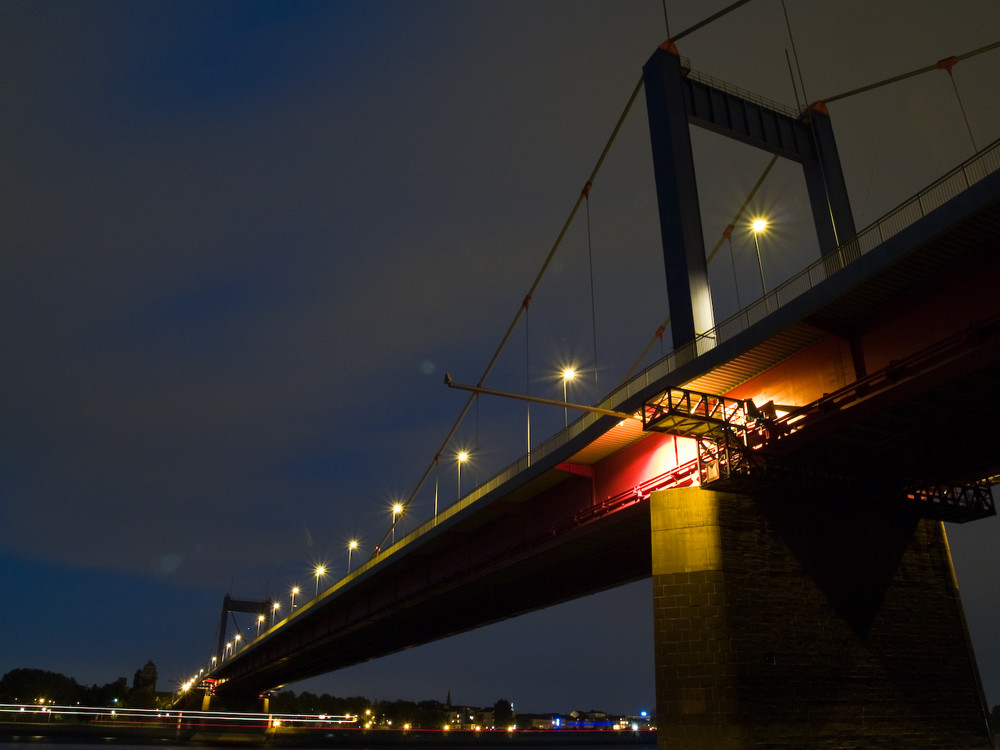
39,686
503,713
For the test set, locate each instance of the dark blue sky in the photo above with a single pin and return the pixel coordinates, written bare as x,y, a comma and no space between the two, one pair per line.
242,243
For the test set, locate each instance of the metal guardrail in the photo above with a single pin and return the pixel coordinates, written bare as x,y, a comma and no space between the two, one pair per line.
906,214
741,93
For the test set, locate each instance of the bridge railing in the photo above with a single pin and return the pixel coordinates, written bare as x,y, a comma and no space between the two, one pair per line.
909,212
906,214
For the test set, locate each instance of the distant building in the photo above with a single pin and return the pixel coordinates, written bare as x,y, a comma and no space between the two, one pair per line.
463,717
145,679
538,721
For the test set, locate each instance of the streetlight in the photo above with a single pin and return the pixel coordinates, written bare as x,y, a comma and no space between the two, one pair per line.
260,621
462,457
758,226
320,570
397,510
568,374
236,642
274,611
295,590
727,235
351,546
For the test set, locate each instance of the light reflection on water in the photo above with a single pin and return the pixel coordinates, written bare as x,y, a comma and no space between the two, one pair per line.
46,743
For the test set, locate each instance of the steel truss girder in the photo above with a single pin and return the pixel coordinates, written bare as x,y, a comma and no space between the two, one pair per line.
686,413
727,458
729,463
732,436
958,502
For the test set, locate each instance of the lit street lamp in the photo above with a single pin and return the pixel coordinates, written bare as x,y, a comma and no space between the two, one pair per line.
260,621
568,374
397,510
351,546
758,226
236,642
463,456
320,570
274,611
295,590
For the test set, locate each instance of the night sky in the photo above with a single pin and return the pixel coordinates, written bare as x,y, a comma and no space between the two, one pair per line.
243,242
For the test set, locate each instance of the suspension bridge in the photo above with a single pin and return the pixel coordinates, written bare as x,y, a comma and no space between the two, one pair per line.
782,475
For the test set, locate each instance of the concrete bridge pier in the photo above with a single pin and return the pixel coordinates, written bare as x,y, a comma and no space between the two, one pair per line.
813,618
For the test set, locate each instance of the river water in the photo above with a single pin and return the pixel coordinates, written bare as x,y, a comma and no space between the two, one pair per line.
46,743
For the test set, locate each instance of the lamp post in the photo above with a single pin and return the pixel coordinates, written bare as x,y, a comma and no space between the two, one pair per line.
568,374
320,570
260,621
727,235
295,591
397,510
758,226
274,611
236,642
462,457
351,546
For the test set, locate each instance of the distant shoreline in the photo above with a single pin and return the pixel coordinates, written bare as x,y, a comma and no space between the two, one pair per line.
323,737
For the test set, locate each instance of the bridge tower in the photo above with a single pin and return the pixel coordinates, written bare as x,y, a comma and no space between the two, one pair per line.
809,614
674,102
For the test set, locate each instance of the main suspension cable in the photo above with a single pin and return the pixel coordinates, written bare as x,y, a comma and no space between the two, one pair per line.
524,305
593,304
939,65
711,19
517,316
